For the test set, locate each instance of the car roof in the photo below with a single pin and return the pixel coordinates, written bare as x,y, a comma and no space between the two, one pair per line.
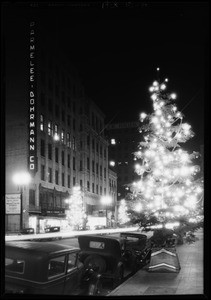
39,247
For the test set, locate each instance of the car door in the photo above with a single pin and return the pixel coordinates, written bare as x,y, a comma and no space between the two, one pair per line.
56,275
73,274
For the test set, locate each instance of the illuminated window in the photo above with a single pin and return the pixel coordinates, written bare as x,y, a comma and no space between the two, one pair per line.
50,129
112,163
68,140
74,144
113,142
62,136
41,122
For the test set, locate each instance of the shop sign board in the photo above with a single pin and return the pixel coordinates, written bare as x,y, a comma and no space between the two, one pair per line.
13,204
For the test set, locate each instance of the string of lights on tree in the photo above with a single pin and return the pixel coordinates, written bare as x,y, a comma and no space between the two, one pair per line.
167,187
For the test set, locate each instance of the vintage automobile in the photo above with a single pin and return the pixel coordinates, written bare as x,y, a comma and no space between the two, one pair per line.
104,255
136,249
46,268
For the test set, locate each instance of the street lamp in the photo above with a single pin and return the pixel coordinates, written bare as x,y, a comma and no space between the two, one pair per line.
106,200
21,179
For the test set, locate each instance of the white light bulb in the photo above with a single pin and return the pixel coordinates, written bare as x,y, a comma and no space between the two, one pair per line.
151,89
154,97
173,96
163,86
155,83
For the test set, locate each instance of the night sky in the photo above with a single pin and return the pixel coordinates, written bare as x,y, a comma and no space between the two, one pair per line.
117,51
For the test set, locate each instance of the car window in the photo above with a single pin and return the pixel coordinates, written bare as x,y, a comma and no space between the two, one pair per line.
56,266
71,261
14,265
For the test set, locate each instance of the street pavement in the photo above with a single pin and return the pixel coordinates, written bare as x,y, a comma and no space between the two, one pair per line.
189,280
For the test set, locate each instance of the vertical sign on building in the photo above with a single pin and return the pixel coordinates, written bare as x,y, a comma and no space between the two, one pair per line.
32,119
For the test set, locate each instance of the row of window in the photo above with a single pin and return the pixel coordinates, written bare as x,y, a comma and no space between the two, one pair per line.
50,179
95,167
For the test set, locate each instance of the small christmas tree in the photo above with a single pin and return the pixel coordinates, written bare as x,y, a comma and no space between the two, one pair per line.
122,213
76,214
167,189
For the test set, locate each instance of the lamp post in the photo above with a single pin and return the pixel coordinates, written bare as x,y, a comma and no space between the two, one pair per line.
21,179
106,200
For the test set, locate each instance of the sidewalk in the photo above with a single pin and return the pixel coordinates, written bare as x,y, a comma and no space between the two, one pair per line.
189,280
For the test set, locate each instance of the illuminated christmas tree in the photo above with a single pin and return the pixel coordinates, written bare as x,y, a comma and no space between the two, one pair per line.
76,215
122,213
167,189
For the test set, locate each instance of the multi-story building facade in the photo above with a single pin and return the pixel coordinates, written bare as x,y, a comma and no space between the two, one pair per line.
56,134
123,142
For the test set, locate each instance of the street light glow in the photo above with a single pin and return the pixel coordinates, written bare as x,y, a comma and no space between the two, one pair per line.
22,178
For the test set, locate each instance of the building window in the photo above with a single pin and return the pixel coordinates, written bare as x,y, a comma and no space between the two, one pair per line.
49,174
63,97
42,172
68,140
101,191
97,168
93,144
57,110
97,189
104,191
41,122
68,120
42,148
74,106
69,102
63,116
104,172
63,158
68,160
56,131
81,165
93,121
88,163
73,124
49,151
62,136
62,178
73,163
42,99
93,166
101,150
93,187
88,140
50,128
88,186
97,147
81,127
50,105
57,90
74,181
57,177
74,143
56,155
68,181
81,145
101,171
105,153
